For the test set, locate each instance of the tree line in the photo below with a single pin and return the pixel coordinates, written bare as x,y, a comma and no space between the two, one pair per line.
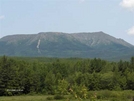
63,76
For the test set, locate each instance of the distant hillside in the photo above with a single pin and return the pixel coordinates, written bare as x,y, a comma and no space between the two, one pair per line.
56,44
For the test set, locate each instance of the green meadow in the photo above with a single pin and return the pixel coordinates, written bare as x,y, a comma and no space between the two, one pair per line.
104,95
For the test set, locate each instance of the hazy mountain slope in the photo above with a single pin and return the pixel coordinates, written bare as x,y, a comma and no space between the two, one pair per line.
56,44
99,38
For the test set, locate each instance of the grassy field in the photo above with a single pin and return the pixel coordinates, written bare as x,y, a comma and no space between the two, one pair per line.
36,98
100,96
44,98
24,98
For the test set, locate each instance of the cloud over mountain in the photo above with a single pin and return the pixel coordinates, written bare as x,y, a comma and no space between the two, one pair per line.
129,4
131,31
81,1
2,17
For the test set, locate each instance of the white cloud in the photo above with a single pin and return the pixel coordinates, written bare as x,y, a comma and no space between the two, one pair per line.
81,1
129,4
2,17
131,31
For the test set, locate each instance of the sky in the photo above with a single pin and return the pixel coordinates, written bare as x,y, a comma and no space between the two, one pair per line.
114,17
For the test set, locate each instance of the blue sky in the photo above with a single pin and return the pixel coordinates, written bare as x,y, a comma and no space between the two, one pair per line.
114,17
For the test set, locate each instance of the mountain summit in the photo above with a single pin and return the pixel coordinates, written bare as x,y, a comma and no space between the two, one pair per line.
57,44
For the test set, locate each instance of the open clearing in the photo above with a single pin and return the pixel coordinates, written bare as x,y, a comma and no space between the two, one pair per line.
44,98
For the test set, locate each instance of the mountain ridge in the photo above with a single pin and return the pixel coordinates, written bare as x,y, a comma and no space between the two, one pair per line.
59,44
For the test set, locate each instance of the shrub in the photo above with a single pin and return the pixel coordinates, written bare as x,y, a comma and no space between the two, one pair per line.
49,98
59,97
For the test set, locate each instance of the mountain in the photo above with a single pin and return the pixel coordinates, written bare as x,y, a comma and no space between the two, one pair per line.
57,44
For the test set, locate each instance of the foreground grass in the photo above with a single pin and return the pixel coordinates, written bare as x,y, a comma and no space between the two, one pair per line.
106,95
100,96
44,98
24,98
35,98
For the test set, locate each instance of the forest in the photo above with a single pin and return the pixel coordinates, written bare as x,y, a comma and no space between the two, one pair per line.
63,76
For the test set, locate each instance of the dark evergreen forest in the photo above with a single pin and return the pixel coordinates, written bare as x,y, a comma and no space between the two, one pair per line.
53,76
